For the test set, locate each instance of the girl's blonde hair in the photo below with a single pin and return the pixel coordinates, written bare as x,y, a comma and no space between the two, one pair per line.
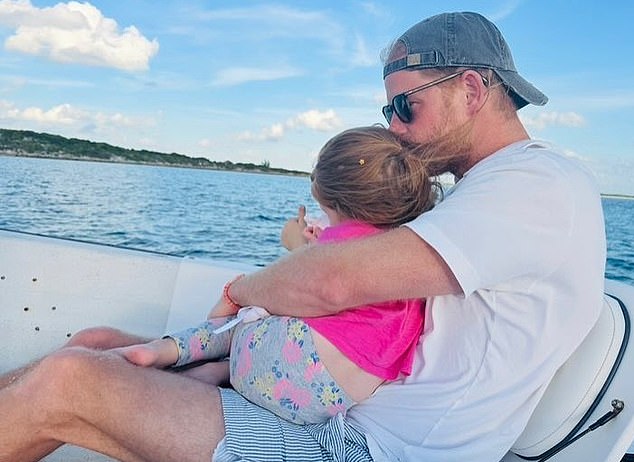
369,174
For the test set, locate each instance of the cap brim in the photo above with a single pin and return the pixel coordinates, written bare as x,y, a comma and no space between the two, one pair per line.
522,88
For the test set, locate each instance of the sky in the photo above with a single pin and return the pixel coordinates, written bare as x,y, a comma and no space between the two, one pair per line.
272,81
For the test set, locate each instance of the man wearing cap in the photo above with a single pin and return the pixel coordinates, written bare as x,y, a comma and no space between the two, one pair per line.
511,263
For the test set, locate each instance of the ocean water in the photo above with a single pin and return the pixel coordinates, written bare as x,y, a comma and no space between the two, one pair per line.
223,215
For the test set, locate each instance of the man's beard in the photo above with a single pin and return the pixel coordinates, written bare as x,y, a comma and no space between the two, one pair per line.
448,152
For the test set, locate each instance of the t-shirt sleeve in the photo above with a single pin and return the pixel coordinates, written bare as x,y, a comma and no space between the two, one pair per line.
503,222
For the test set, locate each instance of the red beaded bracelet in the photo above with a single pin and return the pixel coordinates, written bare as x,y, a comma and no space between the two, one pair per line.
227,297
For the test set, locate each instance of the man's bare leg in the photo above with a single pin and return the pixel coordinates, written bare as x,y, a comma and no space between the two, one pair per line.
99,338
104,338
213,373
99,401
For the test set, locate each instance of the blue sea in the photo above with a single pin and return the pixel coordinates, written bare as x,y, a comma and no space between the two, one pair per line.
223,215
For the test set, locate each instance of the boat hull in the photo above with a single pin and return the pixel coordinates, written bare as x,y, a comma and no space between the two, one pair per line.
52,288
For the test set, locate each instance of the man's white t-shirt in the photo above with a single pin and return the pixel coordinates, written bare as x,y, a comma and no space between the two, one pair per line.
523,233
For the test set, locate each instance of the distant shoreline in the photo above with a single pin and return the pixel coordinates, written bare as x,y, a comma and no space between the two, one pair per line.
203,167
26,143
235,168
617,196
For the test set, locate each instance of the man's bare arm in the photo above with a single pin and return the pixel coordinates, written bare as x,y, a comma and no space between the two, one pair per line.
324,279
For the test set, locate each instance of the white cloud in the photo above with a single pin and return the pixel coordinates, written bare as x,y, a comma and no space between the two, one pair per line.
316,120
17,81
239,75
277,14
205,143
69,115
374,10
270,26
617,99
75,32
273,133
504,10
63,114
313,119
271,21
362,56
612,173
545,119
378,97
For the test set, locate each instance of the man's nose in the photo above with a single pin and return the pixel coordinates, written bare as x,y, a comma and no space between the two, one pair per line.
396,126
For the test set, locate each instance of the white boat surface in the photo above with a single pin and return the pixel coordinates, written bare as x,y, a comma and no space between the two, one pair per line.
51,288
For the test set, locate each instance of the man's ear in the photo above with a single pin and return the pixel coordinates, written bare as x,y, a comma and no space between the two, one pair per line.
476,91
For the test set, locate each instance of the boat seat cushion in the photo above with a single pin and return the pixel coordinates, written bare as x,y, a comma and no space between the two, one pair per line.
575,385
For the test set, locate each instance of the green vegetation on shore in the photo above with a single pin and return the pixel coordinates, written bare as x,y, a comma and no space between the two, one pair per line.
32,144
24,143
617,196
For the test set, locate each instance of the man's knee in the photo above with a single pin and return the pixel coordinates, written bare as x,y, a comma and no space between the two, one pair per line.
99,338
60,374
52,384
93,337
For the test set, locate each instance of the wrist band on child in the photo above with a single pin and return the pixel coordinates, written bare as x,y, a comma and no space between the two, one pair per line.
227,297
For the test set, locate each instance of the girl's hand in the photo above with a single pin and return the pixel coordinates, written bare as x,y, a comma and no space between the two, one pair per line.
311,233
157,353
293,236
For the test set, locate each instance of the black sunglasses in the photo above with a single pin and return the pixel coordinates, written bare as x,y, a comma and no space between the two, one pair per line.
400,105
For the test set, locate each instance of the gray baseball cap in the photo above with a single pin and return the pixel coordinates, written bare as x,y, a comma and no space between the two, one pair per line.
463,40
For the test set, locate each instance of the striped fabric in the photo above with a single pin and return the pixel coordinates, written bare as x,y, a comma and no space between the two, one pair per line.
256,434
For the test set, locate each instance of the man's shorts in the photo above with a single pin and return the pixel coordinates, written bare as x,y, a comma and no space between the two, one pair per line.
254,434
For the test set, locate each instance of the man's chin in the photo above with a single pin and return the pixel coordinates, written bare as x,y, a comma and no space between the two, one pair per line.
449,152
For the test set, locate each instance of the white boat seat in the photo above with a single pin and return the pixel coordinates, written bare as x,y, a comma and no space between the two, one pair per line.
198,287
576,385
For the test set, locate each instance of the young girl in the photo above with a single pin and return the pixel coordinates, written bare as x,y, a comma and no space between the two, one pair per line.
307,370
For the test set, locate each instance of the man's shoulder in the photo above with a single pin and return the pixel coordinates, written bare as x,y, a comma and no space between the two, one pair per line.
530,163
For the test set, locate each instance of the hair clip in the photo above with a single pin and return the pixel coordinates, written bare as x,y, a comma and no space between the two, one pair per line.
361,161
